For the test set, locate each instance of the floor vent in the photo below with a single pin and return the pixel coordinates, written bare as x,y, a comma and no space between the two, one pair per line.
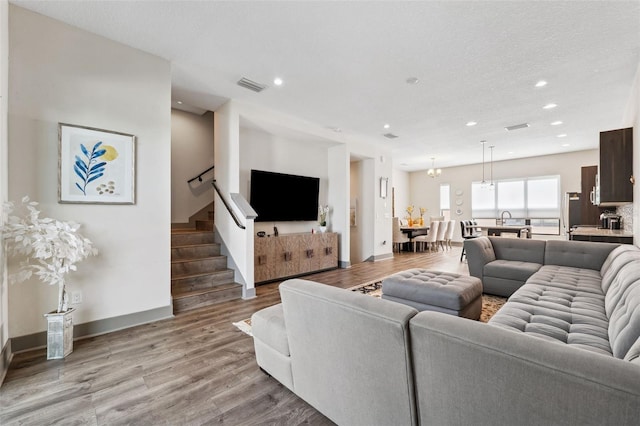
251,85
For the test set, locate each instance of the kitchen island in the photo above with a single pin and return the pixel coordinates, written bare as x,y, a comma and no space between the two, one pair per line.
585,233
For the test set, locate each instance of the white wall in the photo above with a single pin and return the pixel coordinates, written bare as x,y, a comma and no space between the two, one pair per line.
191,154
4,79
402,196
425,191
263,151
632,119
62,74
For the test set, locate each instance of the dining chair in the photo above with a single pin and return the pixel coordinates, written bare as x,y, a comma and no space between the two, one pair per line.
448,236
442,231
430,238
399,237
468,232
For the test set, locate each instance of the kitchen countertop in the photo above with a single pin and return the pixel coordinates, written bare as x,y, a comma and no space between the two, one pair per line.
586,231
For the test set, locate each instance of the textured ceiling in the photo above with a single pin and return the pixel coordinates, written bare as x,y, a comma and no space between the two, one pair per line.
345,65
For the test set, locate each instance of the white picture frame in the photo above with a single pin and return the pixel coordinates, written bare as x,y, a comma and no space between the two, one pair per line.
95,166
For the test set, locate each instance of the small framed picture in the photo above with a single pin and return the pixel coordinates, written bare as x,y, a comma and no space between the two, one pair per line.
95,166
384,182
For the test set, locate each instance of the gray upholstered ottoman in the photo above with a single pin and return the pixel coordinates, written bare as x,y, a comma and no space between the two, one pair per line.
426,290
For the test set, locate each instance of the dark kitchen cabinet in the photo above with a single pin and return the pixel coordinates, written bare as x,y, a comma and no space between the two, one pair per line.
616,167
589,213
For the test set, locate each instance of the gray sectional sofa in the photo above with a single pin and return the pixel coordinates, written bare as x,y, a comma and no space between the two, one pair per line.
582,294
366,361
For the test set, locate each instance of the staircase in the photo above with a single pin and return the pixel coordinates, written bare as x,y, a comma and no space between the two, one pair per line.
199,274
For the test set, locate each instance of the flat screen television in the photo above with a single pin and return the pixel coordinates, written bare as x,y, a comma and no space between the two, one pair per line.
278,197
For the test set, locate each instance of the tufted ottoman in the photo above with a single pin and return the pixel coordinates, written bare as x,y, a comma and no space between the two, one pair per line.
427,290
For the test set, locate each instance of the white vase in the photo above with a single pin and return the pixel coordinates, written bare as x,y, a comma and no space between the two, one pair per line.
323,229
59,334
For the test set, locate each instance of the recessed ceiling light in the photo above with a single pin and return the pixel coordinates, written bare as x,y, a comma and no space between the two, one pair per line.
541,83
277,81
471,123
510,152
549,106
556,123
412,80
562,135
566,144
386,126
179,102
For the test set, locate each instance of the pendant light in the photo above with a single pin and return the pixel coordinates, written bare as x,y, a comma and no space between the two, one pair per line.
433,172
491,186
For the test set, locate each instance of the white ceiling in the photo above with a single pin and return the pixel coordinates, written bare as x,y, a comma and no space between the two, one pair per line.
345,65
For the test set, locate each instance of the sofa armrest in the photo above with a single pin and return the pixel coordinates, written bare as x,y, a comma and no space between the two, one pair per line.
473,373
479,252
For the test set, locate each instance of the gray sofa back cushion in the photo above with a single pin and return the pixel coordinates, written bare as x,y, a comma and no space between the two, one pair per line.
618,258
577,254
622,306
523,250
350,354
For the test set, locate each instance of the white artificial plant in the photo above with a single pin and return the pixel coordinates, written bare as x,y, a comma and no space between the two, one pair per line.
49,248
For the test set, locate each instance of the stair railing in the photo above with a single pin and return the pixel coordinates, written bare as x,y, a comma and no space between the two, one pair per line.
199,177
226,204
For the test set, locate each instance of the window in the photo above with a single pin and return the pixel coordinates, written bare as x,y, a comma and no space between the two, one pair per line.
445,201
534,200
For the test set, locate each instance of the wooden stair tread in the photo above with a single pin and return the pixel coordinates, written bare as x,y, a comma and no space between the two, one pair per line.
200,274
196,245
218,288
196,259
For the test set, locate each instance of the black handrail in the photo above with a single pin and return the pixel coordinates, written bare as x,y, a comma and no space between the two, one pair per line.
199,177
231,212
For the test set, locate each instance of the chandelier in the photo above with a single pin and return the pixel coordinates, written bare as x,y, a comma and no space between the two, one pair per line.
433,172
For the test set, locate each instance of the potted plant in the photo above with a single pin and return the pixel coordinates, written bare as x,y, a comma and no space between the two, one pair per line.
323,210
50,249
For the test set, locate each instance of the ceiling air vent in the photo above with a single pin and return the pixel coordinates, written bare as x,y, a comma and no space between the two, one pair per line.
516,127
251,85
390,136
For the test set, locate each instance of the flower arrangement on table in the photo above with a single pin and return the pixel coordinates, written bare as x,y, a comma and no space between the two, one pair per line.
422,212
50,248
410,212
323,211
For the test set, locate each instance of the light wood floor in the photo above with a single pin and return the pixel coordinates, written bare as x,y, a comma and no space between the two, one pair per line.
194,369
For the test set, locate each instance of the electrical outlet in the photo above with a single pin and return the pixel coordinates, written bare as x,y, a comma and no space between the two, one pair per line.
76,297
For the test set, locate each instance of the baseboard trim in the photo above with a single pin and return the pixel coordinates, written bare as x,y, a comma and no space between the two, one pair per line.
380,257
344,264
5,359
248,293
94,328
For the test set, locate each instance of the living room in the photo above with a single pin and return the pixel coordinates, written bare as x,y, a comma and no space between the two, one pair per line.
58,73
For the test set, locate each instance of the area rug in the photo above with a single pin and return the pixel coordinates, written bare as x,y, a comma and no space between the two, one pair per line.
490,304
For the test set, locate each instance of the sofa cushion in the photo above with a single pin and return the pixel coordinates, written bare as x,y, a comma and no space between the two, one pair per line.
331,331
618,258
622,305
577,254
517,249
584,280
268,326
511,269
573,327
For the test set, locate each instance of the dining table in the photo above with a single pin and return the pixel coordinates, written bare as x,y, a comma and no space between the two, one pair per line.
414,231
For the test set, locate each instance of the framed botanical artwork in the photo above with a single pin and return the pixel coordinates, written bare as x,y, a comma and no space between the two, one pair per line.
95,166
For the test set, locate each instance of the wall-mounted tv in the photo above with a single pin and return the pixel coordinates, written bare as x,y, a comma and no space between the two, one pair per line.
278,197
